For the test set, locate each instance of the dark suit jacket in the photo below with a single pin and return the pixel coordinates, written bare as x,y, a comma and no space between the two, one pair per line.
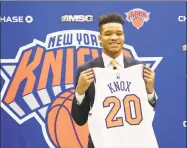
80,112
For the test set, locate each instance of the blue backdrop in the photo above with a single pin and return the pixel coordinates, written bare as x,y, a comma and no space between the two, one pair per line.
160,38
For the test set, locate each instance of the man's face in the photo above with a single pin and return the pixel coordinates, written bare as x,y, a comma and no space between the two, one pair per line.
112,38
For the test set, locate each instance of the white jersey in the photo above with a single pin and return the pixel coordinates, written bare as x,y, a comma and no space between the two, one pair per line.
121,116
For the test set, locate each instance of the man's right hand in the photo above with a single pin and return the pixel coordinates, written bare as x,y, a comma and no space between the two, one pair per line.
85,79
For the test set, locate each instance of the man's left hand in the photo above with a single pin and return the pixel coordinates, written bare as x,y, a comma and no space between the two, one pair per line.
149,78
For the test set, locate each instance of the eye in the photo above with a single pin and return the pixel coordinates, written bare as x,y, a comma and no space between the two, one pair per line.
119,33
107,33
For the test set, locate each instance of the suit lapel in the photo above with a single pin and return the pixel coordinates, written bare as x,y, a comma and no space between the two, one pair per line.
98,62
126,64
124,61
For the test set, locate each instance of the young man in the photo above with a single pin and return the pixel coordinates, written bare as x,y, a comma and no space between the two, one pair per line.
112,39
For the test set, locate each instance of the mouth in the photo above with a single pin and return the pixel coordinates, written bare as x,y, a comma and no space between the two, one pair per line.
114,43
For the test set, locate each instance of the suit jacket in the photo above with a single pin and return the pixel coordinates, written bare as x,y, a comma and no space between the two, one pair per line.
80,112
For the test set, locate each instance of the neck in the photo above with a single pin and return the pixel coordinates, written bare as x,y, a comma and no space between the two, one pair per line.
112,54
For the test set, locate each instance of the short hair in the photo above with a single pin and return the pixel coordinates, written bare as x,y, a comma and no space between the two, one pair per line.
110,18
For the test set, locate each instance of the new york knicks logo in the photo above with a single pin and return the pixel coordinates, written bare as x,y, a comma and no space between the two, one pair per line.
137,17
39,83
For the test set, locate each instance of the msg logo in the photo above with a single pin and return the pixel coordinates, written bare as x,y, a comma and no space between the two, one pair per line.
77,18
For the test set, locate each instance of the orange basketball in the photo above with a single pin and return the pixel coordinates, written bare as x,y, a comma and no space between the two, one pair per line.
63,131
138,22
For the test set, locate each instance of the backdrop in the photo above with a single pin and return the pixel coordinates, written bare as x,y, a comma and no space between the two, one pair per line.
43,43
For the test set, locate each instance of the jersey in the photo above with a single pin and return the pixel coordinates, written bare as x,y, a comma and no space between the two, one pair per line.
121,116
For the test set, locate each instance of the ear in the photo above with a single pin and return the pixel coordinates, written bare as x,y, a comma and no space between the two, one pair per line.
100,38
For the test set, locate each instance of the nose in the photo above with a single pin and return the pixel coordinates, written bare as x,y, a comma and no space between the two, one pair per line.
114,37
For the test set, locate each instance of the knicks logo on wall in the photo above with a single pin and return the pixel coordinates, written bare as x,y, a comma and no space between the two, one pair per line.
137,17
39,83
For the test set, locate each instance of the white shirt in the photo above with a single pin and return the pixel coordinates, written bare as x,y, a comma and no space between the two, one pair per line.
120,65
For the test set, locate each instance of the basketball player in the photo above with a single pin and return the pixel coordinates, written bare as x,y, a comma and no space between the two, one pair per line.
112,40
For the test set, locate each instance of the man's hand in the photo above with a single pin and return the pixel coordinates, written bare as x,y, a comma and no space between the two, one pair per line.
85,79
149,78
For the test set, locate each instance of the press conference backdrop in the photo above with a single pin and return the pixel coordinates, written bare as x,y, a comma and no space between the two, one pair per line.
42,45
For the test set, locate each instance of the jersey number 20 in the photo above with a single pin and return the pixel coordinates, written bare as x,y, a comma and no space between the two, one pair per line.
111,122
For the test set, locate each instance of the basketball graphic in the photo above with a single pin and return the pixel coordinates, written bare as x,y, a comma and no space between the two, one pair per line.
63,131
138,22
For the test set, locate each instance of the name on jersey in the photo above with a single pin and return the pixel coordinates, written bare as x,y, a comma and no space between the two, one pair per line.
119,86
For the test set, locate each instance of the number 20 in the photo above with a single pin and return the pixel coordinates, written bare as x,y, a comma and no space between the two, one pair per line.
111,122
